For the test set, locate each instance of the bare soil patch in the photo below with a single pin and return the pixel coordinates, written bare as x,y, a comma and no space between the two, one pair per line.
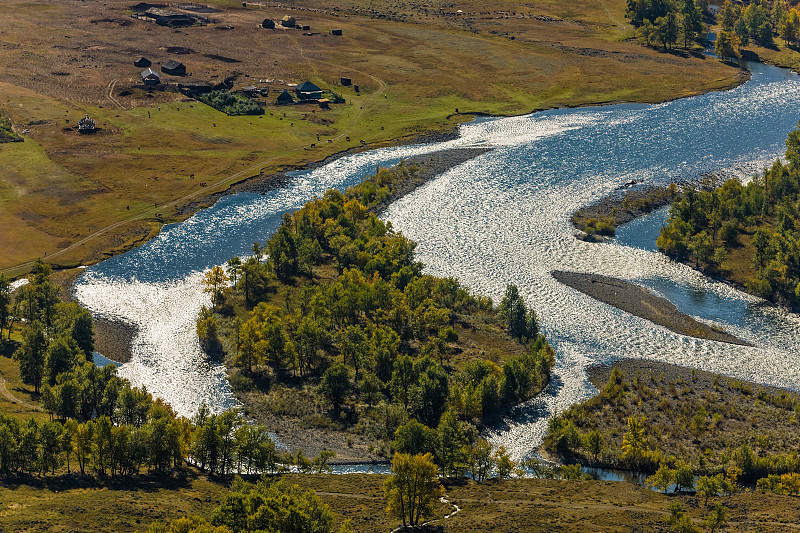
640,302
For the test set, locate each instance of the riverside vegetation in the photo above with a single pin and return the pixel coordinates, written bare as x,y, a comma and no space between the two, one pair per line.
676,423
601,219
339,328
135,455
746,233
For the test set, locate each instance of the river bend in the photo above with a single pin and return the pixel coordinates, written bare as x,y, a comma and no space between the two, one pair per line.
501,218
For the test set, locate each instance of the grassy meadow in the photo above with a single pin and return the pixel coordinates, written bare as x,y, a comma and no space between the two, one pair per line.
518,505
78,199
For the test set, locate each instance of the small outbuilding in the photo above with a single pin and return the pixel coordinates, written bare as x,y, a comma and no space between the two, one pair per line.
86,125
142,62
336,32
174,68
308,91
284,98
173,19
268,24
346,81
288,22
150,77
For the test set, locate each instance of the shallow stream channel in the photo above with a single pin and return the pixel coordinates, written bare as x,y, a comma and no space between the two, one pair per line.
502,217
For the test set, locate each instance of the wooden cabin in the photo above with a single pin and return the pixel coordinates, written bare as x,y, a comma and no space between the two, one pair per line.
174,68
150,77
308,91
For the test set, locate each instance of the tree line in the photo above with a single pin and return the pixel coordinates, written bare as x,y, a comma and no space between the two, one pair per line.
760,218
666,22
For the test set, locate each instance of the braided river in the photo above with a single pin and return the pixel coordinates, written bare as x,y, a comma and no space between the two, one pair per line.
502,217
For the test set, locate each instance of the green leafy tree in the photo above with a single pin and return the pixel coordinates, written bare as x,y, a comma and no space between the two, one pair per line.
430,391
414,438
646,33
729,14
370,388
335,385
75,322
479,459
449,445
727,45
701,247
760,243
62,354
667,29
662,479
31,356
353,343
503,463
402,382
684,477
593,443
82,445
708,487
274,506
49,447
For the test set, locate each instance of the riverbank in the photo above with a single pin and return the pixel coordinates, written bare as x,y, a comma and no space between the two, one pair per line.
599,220
431,165
640,302
689,415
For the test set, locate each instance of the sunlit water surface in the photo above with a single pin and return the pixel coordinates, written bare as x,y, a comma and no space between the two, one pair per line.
502,218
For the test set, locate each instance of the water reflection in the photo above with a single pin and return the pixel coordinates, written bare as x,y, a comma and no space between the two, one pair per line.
501,218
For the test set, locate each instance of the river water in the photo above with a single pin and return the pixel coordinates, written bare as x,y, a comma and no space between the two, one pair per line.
502,218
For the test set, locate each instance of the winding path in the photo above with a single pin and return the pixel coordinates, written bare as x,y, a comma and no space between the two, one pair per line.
13,399
747,525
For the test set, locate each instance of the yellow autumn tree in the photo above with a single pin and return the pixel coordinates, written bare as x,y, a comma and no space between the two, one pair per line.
214,282
634,445
413,487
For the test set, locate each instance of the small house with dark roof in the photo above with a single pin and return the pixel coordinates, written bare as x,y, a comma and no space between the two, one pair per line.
268,24
288,21
86,125
284,98
308,91
174,68
150,77
142,62
173,19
